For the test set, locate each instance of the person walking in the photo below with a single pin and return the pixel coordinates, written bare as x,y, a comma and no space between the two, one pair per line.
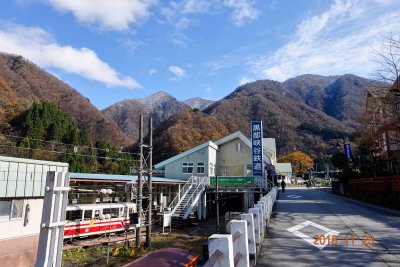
283,184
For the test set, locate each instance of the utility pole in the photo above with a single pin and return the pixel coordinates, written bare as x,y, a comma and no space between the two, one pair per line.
139,188
150,184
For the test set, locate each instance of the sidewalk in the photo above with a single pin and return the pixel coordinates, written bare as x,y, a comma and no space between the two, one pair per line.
166,257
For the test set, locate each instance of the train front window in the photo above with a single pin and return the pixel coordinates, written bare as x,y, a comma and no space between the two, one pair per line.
87,215
73,215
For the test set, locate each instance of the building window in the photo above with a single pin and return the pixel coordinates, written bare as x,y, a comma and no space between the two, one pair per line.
224,171
239,147
16,210
5,207
200,167
11,209
187,167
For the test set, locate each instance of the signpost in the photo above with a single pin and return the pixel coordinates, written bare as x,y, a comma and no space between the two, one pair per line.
257,148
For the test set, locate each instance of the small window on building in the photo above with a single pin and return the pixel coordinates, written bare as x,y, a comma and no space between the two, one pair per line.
224,171
187,167
200,167
239,147
17,208
5,207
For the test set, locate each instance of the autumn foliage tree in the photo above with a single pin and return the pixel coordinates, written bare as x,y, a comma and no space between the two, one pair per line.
300,161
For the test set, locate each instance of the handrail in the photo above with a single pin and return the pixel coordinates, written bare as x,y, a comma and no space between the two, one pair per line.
181,194
191,199
213,258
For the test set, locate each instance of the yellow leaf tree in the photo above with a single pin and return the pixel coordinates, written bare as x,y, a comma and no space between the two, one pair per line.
300,161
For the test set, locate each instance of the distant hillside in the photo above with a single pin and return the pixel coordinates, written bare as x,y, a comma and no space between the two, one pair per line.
289,112
160,106
184,130
199,103
341,97
23,83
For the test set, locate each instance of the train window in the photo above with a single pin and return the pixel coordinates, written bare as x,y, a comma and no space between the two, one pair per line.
96,213
73,215
113,211
124,213
87,215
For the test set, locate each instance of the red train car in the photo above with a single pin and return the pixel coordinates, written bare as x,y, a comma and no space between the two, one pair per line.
94,219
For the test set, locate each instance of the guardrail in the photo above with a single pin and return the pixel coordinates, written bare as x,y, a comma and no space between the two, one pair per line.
236,249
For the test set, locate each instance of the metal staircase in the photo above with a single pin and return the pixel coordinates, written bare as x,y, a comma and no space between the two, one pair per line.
188,197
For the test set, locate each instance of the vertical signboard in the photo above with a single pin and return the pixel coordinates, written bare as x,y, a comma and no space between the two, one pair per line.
347,150
256,147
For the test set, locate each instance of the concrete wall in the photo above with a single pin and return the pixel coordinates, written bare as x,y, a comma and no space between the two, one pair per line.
206,155
18,243
234,161
23,179
15,228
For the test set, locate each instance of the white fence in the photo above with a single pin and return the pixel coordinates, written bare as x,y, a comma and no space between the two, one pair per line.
236,249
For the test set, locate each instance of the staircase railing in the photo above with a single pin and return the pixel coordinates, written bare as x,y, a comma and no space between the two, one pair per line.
191,202
181,195
264,183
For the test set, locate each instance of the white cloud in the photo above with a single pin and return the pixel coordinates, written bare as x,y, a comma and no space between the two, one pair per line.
243,11
38,46
337,41
152,71
177,71
116,14
244,80
208,90
196,6
178,12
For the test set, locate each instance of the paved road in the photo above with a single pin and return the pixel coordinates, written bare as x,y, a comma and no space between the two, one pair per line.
318,213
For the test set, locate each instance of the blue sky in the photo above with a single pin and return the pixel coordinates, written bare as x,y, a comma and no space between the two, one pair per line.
110,50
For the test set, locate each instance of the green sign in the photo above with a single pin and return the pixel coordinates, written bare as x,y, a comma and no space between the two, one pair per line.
233,181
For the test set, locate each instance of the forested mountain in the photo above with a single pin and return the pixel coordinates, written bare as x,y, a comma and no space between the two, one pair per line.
302,113
341,97
22,83
159,106
48,133
198,102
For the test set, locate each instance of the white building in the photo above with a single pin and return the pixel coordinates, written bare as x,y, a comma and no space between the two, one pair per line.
285,170
228,156
22,184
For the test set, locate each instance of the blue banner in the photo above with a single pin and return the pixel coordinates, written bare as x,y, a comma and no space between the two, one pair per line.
347,150
257,147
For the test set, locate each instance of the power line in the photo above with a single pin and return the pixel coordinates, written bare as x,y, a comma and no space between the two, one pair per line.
54,142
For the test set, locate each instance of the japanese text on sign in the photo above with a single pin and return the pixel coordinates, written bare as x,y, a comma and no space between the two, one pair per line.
257,150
